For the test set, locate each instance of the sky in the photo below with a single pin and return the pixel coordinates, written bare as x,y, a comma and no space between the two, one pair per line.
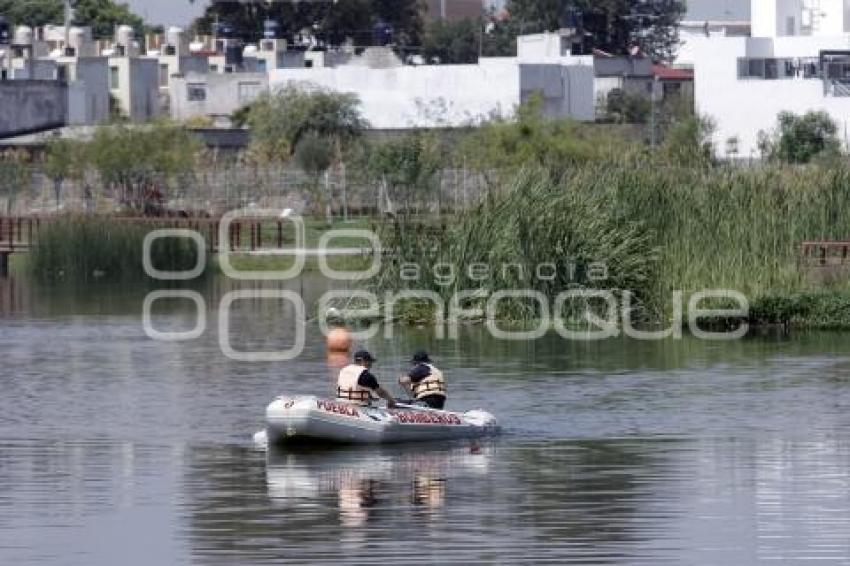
168,12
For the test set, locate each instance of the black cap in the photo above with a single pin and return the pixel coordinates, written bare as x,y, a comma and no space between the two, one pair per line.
363,356
421,357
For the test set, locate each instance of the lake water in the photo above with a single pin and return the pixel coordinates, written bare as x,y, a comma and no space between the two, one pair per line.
118,449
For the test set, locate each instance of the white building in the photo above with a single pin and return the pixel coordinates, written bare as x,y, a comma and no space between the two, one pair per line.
39,65
797,59
396,96
214,95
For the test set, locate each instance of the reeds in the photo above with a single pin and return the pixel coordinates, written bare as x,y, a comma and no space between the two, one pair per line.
83,249
656,228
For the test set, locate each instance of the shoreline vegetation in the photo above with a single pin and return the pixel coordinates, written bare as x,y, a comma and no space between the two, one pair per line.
661,219
658,228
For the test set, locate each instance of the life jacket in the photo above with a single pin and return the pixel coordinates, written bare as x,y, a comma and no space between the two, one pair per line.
347,387
434,384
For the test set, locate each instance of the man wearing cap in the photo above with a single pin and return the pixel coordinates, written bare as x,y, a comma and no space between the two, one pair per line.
425,382
356,383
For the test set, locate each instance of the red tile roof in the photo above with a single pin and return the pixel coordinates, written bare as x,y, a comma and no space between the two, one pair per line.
665,73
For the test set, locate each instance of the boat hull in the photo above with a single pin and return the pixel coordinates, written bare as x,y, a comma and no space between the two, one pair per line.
314,419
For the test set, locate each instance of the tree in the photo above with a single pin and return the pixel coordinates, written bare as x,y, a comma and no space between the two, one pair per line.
33,13
407,167
140,160
623,107
799,139
331,22
101,15
532,140
279,121
104,15
64,159
452,42
315,154
615,26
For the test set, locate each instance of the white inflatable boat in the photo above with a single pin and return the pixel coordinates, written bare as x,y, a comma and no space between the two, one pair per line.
310,418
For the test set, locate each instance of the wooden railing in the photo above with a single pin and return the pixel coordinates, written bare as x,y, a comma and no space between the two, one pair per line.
825,253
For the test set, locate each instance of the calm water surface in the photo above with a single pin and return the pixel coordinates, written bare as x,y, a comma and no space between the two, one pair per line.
116,449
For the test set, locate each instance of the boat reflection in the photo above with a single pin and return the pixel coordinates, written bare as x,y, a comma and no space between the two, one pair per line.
364,480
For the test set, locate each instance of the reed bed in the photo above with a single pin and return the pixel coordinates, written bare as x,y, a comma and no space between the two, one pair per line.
84,249
658,229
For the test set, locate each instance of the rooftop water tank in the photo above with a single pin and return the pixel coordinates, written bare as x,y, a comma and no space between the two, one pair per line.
174,36
77,38
23,35
124,36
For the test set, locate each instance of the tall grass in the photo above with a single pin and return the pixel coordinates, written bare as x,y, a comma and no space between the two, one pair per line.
82,249
657,228
535,236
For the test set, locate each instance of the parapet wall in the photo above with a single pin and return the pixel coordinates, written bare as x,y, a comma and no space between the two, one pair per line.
27,106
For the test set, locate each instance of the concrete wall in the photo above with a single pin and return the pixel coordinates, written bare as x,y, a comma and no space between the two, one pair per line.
32,105
144,89
91,89
223,93
742,108
428,96
772,18
566,91
789,16
764,18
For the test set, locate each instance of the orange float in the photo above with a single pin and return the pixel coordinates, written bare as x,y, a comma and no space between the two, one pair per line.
339,341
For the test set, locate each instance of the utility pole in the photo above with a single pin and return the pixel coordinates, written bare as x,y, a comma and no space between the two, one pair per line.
68,14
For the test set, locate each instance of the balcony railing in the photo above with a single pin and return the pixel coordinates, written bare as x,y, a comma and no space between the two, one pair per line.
833,69
769,68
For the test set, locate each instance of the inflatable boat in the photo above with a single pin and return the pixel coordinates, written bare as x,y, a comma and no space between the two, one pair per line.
314,419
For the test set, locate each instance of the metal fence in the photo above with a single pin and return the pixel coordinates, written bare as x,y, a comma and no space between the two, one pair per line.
220,187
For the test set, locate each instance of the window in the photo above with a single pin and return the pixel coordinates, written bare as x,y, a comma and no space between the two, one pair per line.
268,45
196,92
790,26
213,68
261,65
163,75
248,92
771,70
114,81
767,69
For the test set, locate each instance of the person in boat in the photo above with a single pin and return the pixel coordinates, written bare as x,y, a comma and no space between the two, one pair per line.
425,382
356,383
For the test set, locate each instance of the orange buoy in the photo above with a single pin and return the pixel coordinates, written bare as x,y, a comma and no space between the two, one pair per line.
339,341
